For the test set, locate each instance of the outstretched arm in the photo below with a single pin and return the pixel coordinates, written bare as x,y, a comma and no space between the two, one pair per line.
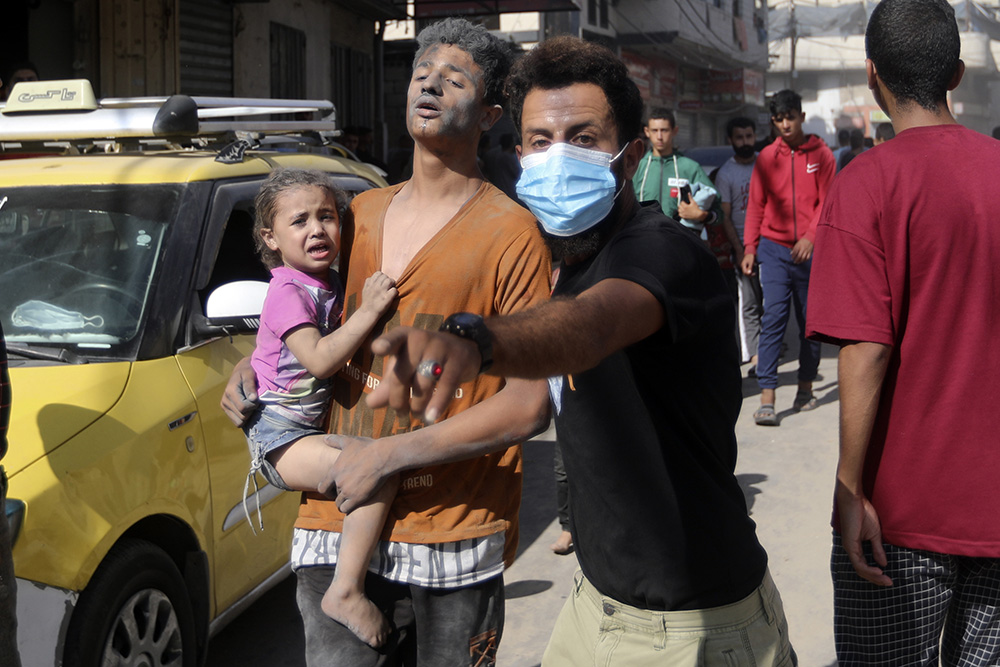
861,370
517,412
564,335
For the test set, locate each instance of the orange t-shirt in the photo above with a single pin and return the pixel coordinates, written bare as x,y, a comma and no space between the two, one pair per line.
489,260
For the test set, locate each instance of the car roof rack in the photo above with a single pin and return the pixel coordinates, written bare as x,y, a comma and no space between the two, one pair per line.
52,112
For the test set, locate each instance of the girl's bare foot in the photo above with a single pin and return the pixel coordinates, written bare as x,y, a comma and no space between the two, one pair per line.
357,613
564,545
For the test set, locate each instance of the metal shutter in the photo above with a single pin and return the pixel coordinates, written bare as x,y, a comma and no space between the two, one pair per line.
206,49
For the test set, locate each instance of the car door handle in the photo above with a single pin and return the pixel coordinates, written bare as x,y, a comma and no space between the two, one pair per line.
177,423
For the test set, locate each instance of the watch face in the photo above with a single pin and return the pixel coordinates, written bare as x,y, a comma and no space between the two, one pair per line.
471,327
465,320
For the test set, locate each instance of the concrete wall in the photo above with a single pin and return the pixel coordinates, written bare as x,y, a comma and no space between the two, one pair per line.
322,23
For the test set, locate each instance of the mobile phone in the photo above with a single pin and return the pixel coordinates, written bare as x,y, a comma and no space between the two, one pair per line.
686,194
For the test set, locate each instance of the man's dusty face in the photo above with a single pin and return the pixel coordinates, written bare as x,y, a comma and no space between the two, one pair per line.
789,127
445,96
661,135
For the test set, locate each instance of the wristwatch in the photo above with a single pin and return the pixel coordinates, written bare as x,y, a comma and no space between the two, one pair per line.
472,327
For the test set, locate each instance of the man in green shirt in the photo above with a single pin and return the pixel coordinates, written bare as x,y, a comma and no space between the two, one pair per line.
663,171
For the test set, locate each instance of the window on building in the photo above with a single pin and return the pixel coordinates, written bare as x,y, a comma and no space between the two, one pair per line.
597,13
288,62
352,87
206,47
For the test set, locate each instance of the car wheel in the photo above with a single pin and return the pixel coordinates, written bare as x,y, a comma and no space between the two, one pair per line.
135,612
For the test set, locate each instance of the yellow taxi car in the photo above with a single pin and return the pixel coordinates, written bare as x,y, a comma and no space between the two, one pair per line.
122,261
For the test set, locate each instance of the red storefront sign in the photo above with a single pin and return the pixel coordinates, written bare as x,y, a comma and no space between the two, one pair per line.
738,86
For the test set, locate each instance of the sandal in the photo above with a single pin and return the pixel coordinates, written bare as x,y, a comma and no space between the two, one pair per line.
765,415
804,401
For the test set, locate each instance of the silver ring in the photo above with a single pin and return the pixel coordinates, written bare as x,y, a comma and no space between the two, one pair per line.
430,369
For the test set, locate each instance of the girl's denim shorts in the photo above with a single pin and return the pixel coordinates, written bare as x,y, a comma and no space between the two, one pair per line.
266,431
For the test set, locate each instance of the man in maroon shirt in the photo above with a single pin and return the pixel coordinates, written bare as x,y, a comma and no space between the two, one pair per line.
905,280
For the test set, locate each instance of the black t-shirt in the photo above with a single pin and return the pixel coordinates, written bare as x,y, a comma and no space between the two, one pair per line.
659,520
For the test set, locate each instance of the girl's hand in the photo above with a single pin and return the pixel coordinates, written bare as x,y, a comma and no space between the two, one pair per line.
378,293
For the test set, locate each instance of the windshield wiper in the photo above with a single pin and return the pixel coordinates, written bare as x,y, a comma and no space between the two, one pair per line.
62,355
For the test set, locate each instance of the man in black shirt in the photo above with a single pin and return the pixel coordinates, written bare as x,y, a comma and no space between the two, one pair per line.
644,377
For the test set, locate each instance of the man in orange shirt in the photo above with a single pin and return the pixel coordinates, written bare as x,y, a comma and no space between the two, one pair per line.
452,242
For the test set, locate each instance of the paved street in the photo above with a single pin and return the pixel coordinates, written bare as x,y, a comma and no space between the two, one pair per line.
787,473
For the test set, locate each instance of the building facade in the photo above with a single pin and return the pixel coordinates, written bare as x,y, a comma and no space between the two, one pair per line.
705,59
819,51
312,49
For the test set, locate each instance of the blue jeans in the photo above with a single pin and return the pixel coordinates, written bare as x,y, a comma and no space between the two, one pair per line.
454,626
784,284
266,431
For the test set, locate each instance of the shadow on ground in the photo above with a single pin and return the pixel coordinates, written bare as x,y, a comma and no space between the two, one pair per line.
269,633
525,588
748,482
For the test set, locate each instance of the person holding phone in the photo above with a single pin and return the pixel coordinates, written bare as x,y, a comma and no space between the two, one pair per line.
664,173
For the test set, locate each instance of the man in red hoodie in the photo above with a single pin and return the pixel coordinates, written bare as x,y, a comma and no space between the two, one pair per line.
787,189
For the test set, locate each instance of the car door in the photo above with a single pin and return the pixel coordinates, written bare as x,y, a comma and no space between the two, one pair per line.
242,556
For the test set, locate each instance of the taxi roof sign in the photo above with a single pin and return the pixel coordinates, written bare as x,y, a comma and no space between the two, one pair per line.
28,115
60,95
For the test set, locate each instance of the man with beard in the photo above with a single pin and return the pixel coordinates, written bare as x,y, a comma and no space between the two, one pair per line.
451,241
733,184
637,344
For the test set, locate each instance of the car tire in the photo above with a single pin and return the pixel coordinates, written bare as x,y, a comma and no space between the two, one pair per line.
135,612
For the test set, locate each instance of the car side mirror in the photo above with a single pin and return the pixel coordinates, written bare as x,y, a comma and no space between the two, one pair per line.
233,308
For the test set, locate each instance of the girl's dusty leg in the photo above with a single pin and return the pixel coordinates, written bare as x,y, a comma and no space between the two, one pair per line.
345,601
305,465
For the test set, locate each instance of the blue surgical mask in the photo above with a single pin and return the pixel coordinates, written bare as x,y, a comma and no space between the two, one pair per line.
568,188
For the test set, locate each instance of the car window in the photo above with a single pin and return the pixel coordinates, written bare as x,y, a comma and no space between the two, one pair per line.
236,257
76,263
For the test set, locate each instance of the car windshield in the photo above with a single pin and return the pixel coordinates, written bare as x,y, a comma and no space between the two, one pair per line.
77,262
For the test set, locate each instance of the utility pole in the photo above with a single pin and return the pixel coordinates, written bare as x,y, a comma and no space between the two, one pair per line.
793,33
